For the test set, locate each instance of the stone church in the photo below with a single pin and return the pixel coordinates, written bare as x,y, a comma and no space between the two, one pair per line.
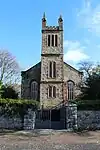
52,80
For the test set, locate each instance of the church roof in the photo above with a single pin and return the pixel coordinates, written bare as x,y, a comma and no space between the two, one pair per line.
38,64
73,68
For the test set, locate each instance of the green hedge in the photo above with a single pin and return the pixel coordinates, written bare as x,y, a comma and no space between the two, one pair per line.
88,104
19,101
18,107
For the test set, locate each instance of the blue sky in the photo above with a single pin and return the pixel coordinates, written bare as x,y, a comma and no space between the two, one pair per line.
20,28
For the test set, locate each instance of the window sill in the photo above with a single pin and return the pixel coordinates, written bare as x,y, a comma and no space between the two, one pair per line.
51,77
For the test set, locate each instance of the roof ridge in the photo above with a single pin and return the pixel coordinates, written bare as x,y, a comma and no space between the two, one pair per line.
63,62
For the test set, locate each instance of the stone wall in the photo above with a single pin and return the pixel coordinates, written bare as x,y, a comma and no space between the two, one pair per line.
49,102
88,119
74,75
10,123
71,116
70,119
7,122
49,54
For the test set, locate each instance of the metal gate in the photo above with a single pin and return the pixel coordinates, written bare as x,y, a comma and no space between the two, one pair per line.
48,119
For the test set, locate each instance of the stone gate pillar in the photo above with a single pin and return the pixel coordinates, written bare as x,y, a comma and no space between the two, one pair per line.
71,116
29,120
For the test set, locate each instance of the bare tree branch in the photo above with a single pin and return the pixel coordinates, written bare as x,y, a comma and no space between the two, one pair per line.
9,68
86,67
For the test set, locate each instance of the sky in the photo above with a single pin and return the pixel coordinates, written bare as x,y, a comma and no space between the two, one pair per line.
20,29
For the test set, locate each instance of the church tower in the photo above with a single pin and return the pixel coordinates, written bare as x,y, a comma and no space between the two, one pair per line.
52,77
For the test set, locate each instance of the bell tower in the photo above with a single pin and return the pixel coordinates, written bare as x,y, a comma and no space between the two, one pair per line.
52,78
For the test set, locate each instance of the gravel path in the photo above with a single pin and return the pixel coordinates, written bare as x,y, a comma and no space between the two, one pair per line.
28,146
55,141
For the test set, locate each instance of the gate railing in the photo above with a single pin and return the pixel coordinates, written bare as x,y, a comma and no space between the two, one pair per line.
62,103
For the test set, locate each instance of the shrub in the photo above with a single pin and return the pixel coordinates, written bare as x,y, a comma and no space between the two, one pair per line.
14,107
9,92
88,104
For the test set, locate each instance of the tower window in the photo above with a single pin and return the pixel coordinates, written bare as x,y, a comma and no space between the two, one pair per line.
52,92
52,40
70,90
56,40
48,40
52,69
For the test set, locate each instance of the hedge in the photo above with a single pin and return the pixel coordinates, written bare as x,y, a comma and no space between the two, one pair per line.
17,107
87,104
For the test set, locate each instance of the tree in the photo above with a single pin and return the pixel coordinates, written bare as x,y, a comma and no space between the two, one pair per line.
86,67
91,88
1,88
9,68
9,92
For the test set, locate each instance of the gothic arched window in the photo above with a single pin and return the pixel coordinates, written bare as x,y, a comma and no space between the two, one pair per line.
34,90
56,40
70,85
52,40
52,92
48,40
52,69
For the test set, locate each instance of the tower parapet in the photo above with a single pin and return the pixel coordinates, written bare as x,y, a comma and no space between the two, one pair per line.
52,28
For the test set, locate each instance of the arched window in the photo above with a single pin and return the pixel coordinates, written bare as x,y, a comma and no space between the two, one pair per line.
56,40
52,92
70,85
48,40
52,40
34,90
52,69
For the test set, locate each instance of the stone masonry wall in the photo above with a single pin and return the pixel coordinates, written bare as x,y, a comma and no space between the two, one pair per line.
7,122
33,74
47,102
88,119
71,116
74,75
10,123
52,50
45,68
51,53
74,119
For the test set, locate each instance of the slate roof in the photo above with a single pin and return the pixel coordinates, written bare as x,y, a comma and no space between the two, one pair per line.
36,65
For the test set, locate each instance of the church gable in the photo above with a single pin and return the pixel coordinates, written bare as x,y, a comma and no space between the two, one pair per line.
72,68
38,65
34,73
70,73
51,80
28,77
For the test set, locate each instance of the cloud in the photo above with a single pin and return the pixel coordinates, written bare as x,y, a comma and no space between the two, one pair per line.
89,17
75,52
